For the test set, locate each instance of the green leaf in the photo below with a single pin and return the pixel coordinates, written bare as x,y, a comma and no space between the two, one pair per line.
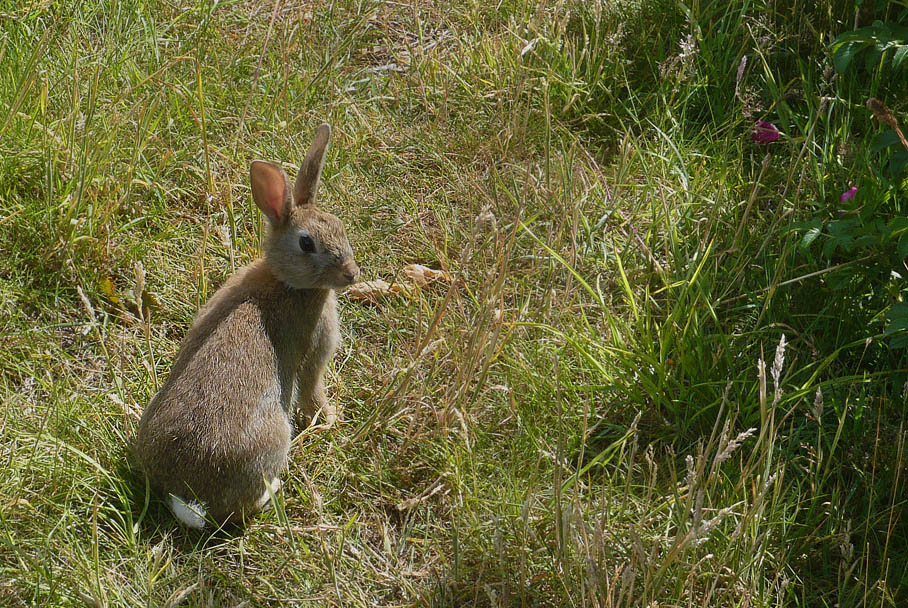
903,245
862,34
897,317
897,225
899,162
810,236
901,54
842,234
872,57
883,140
900,341
841,279
843,55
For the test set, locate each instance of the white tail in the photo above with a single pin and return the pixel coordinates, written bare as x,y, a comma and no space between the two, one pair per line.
274,486
191,514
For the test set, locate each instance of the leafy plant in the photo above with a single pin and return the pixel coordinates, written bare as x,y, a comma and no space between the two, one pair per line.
863,234
877,44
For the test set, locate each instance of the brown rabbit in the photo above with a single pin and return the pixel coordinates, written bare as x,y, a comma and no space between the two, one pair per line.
219,429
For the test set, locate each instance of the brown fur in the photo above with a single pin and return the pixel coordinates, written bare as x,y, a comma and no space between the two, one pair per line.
220,426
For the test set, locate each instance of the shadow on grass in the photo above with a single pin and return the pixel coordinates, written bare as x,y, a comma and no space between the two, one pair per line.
153,520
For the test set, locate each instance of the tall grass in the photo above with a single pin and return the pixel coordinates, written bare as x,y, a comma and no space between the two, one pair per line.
650,383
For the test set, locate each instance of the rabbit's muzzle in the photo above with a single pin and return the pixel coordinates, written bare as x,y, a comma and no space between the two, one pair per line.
350,272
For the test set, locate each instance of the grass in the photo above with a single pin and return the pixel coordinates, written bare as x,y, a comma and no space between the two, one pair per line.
646,386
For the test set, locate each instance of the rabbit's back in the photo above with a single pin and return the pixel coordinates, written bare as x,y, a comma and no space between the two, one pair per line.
220,421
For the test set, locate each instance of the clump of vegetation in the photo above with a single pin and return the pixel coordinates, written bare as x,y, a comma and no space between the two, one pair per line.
668,363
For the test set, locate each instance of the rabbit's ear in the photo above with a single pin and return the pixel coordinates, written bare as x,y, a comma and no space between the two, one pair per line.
311,169
270,190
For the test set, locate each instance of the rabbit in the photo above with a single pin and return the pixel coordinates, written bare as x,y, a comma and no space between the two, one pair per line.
219,428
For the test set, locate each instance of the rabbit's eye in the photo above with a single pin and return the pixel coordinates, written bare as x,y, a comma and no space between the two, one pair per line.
307,244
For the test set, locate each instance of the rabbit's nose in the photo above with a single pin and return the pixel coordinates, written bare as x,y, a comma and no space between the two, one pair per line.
351,271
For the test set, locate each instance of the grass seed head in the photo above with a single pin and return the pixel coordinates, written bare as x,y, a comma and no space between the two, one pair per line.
881,112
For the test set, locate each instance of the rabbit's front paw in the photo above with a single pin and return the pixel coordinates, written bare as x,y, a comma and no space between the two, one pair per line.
315,409
328,415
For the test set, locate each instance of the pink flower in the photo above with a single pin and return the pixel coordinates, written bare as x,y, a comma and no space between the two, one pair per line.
764,132
849,194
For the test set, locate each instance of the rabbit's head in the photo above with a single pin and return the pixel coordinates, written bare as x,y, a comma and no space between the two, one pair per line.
306,247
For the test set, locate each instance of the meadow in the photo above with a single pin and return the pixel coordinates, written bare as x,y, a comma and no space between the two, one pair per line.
668,367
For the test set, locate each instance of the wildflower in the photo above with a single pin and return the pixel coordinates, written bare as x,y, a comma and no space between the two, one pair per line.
683,63
765,132
849,194
688,50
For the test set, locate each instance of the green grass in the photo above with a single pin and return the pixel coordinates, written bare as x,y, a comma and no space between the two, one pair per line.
646,386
